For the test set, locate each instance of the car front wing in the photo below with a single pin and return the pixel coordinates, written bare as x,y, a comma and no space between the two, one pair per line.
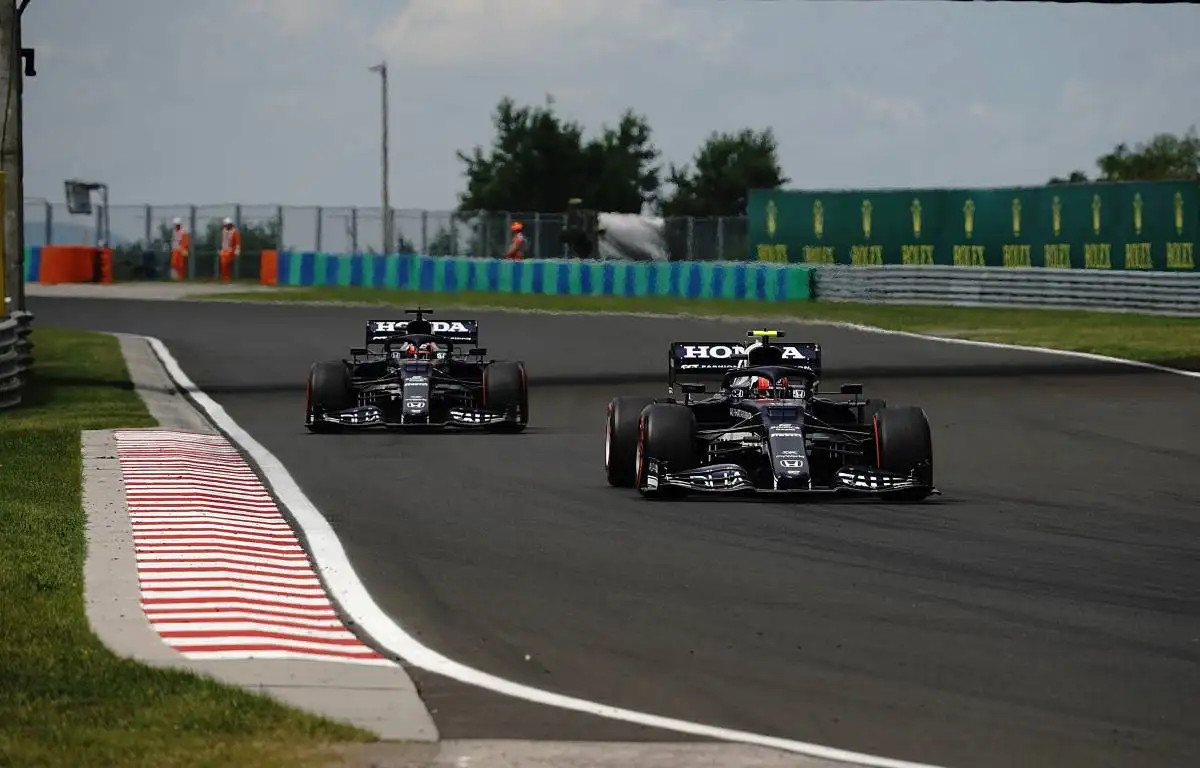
374,417
735,479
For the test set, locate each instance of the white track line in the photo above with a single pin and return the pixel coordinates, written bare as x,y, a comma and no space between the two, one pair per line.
349,592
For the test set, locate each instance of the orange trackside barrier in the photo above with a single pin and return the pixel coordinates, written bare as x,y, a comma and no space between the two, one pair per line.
269,268
74,264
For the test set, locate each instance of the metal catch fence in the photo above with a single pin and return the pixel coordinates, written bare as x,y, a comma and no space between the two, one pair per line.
135,230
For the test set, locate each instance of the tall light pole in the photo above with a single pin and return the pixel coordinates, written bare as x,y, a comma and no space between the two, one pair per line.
381,68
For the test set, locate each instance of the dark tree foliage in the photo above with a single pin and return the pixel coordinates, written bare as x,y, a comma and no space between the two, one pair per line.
1164,156
540,161
726,166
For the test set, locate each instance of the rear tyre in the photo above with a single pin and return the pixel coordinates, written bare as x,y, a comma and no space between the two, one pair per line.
668,433
506,390
329,391
621,439
903,444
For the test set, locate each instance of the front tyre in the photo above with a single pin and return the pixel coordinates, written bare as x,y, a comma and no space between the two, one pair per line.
621,439
870,408
667,433
506,390
328,391
903,444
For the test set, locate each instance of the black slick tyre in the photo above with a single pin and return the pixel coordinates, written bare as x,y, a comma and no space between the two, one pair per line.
329,391
506,390
870,408
621,439
903,444
667,433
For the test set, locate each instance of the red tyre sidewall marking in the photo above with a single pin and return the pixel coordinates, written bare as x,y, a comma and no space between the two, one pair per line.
878,448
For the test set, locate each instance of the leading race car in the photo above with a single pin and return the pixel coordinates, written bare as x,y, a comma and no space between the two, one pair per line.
416,374
767,430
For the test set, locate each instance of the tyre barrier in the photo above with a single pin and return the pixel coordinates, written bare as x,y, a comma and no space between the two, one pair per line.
728,280
16,356
1163,293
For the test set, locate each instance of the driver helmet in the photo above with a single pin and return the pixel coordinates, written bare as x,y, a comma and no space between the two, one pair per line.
426,350
762,389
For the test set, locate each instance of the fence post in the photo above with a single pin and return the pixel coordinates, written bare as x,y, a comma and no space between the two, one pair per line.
354,230
507,230
691,238
49,224
721,239
279,232
191,262
424,232
320,215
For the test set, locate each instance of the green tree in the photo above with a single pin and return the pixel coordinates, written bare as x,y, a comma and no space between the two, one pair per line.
1076,177
442,243
727,165
539,160
404,245
1164,156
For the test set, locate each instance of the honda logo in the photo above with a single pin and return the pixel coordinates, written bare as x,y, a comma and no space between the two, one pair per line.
728,351
437,326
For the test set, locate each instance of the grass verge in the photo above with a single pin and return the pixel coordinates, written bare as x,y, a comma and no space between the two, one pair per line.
65,699
1162,340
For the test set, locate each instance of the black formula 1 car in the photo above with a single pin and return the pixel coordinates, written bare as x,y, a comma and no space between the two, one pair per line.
766,430
411,375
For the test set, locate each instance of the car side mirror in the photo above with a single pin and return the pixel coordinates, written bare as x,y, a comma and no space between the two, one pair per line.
693,388
852,389
358,351
480,352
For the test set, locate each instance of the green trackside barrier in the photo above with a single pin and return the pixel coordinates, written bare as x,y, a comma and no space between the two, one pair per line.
550,277
1117,226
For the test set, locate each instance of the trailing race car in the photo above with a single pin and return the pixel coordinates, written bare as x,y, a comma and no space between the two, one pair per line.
766,430
410,374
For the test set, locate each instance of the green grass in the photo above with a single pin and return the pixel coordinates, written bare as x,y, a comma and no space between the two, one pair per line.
65,700
1162,340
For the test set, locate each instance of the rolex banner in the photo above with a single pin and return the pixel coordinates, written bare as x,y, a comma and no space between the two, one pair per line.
1142,225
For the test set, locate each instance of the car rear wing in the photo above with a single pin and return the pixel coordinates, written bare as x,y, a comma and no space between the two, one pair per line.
454,331
699,361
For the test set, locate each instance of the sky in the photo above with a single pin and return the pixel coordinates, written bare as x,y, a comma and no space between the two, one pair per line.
265,102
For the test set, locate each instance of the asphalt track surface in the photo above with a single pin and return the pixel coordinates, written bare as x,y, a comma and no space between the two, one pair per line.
1043,612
